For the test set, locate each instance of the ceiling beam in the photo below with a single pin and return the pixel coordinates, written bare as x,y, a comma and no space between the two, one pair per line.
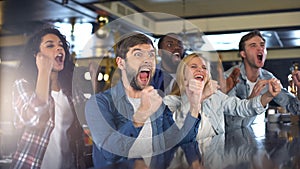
234,23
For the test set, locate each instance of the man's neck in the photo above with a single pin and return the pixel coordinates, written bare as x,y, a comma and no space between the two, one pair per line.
132,92
167,68
252,73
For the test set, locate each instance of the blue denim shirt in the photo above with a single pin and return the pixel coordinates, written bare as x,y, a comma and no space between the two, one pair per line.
109,117
242,90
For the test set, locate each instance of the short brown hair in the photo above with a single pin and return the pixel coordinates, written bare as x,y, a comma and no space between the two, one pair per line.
130,40
247,37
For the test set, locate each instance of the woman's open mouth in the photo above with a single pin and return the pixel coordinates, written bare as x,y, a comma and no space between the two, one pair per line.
199,77
59,58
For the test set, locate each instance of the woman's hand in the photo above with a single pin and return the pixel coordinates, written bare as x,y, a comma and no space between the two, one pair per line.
44,63
210,88
194,91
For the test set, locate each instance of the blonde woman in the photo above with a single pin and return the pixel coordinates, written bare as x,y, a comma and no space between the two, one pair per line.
196,93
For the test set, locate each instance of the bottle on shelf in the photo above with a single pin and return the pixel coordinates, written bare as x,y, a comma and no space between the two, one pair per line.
292,87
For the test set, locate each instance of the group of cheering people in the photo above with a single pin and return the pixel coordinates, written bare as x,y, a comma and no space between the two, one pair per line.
151,108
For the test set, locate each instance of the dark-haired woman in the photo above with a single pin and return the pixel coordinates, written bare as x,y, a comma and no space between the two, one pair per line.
42,102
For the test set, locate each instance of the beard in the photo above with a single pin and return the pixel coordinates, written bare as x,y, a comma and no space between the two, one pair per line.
131,76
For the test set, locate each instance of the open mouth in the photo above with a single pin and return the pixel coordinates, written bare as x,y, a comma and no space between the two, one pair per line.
176,56
144,75
199,77
59,58
260,57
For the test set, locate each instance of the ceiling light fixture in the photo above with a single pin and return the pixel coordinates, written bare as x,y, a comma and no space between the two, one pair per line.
102,31
104,39
191,38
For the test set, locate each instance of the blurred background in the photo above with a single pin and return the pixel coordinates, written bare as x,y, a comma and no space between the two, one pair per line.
210,26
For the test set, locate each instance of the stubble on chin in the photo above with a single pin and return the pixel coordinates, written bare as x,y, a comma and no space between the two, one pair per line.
134,85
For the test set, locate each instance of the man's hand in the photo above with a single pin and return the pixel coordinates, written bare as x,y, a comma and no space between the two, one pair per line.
274,87
233,79
273,90
258,87
150,102
227,84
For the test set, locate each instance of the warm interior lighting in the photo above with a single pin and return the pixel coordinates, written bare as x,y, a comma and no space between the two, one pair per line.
87,76
102,20
100,76
106,77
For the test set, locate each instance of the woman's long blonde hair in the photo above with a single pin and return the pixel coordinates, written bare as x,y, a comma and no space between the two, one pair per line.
179,87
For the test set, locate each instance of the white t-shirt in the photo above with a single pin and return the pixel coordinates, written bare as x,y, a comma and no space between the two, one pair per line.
251,85
58,153
142,147
261,117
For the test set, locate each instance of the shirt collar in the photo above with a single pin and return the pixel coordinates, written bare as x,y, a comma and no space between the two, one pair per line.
118,91
243,72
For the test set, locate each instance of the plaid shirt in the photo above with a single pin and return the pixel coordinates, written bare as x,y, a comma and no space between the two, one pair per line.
37,121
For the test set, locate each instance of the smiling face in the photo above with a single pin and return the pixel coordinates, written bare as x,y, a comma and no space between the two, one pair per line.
52,47
255,52
140,65
193,66
197,69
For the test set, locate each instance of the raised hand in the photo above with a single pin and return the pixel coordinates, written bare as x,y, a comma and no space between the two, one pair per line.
258,87
194,92
273,90
227,84
233,79
210,88
150,102
274,87
44,63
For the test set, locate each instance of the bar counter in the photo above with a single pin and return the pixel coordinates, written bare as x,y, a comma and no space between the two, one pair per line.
261,146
